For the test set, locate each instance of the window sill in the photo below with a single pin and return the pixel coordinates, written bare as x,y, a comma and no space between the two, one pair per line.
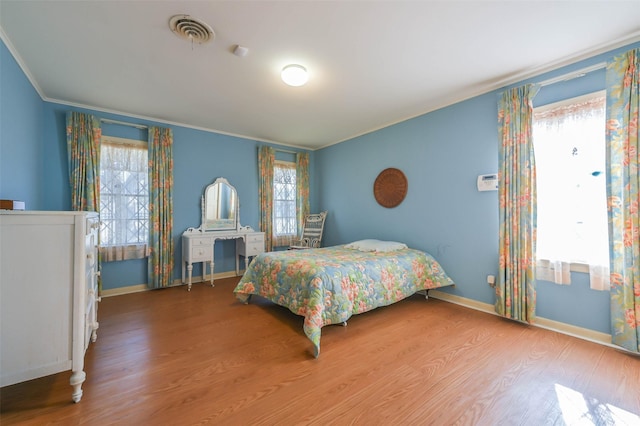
579,267
574,266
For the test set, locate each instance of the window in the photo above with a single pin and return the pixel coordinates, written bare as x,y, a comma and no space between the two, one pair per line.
284,203
124,199
569,145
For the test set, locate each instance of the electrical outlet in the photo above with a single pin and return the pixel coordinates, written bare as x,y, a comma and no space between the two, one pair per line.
491,280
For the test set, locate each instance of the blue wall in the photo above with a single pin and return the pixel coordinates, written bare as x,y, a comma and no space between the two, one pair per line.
21,115
199,158
33,167
441,153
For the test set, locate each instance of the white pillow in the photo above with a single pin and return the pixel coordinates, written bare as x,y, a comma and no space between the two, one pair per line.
376,245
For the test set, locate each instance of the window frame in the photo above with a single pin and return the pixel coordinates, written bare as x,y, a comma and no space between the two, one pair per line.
285,239
574,266
125,251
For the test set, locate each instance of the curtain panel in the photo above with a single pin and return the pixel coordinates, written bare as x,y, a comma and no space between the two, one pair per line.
83,152
160,262
302,189
515,287
623,198
266,162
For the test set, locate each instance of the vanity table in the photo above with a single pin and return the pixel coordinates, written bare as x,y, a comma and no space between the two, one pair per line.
220,221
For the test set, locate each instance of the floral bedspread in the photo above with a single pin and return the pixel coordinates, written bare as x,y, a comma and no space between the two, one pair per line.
329,285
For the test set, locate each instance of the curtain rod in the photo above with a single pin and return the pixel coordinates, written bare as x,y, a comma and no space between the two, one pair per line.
124,123
573,74
286,151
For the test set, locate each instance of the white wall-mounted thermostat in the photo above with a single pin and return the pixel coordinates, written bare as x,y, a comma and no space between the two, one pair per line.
488,182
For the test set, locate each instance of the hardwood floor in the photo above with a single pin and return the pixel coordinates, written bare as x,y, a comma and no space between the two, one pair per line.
180,358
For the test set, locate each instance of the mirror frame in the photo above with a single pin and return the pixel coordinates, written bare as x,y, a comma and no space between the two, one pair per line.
205,224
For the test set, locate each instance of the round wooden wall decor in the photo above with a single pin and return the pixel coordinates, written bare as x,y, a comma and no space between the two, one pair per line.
390,187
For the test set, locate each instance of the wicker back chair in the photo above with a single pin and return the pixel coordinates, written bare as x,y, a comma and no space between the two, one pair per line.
311,232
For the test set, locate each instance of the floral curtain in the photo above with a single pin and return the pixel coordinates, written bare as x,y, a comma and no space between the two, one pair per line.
302,188
266,161
160,263
623,186
515,287
83,151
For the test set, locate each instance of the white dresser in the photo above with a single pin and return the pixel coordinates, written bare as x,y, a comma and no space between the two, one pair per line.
48,294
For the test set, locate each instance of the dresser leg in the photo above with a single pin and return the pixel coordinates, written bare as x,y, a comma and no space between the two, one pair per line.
189,271
77,379
94,333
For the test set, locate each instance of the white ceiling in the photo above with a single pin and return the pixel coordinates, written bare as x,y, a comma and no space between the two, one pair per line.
371,63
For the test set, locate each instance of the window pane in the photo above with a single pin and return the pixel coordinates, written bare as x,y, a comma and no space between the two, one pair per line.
284,200
124,195
569,143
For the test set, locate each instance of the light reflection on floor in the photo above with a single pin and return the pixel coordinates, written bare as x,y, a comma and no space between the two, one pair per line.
578,410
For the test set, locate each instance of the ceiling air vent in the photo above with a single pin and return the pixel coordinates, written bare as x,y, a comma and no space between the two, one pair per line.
188,28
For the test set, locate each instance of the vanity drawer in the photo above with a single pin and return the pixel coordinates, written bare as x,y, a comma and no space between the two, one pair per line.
255,238
254,244
253,249
197,248
201,242
201,253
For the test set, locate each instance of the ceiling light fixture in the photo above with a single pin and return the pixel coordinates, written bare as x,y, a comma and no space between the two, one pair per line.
294,75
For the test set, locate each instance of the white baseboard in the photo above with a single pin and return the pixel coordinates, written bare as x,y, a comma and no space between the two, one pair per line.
560,327
123,290
177,282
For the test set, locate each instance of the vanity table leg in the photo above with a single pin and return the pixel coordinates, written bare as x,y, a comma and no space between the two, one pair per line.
244,240
211,262
189,270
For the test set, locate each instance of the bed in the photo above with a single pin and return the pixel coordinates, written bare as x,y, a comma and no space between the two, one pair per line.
329,285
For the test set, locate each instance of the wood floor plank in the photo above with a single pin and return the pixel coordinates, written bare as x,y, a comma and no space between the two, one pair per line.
180,358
